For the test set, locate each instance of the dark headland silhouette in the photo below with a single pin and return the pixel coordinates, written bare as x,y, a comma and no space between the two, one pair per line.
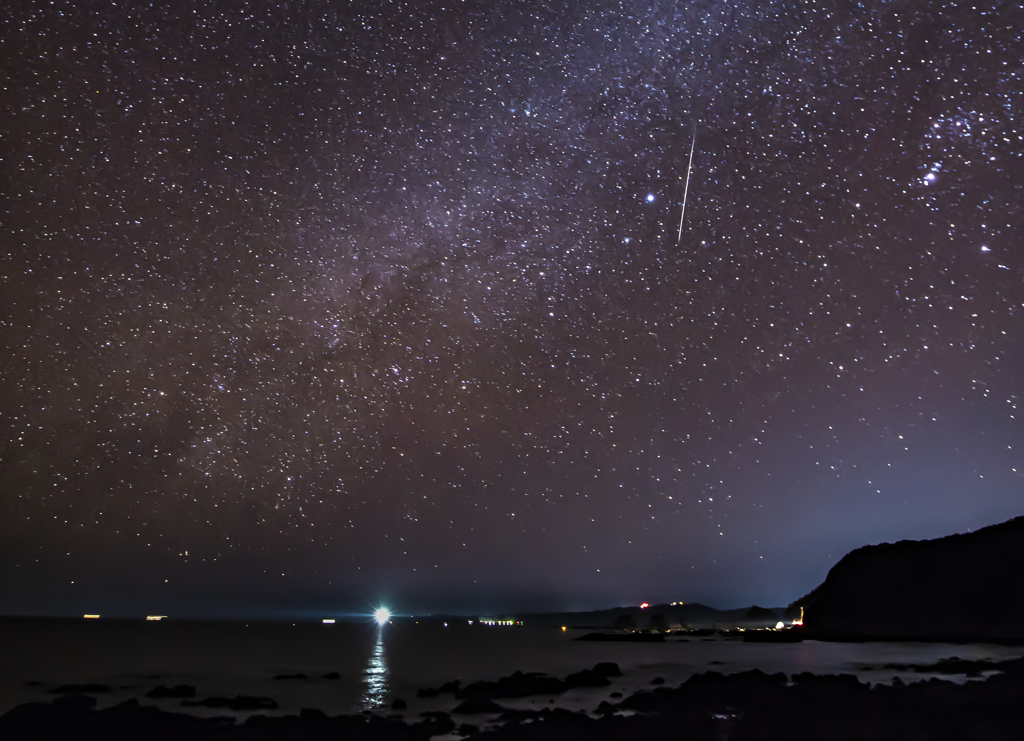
967,587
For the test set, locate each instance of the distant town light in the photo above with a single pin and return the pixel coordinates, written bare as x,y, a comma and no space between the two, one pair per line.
155,617
644,605
90,617
382,615
780,625
328,621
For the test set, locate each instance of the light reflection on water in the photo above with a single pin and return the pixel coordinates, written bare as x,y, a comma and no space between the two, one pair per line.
375,678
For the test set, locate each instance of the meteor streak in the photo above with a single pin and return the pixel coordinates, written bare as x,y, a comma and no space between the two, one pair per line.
686,190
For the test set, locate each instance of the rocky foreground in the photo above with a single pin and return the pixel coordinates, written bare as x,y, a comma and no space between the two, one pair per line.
751,705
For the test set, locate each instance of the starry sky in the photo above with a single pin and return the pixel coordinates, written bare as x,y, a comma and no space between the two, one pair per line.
311,307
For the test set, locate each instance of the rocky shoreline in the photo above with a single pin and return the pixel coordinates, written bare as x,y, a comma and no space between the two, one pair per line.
747,705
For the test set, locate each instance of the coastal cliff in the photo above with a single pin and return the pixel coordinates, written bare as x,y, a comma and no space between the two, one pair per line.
960,587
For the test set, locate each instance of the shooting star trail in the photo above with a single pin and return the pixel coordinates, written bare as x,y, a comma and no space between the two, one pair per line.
686,190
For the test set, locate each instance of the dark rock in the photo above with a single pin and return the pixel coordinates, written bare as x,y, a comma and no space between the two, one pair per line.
641,702
290,676
476,706
178,691
520,684
81,689
586,678
615,694
435,724
312,714
607,669
658,680
241,702
331,675
605,707
961,587
448,688
956,665
467,729
399,704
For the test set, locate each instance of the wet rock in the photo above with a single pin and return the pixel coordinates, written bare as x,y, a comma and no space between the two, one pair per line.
519,684
478,705
240,702
81,689
607,669
399,704
586,678
178,691
435,724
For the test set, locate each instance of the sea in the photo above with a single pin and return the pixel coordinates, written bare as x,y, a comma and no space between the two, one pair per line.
352,667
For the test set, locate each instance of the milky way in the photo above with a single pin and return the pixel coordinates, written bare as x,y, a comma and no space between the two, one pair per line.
309,307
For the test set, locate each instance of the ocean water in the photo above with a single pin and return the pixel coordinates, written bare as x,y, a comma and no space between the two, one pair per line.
377,665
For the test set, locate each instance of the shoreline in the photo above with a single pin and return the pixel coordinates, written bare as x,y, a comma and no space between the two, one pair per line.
708,705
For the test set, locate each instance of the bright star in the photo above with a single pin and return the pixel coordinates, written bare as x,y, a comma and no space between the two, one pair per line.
650,197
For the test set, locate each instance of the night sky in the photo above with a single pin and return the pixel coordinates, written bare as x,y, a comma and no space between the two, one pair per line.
313,307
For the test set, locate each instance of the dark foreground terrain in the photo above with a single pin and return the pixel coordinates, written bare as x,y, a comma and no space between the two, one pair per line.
750,705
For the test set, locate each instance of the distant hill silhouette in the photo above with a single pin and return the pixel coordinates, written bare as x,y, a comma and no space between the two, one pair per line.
961,587
691,614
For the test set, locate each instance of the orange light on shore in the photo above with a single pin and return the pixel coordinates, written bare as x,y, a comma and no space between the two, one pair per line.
644,605
90,617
